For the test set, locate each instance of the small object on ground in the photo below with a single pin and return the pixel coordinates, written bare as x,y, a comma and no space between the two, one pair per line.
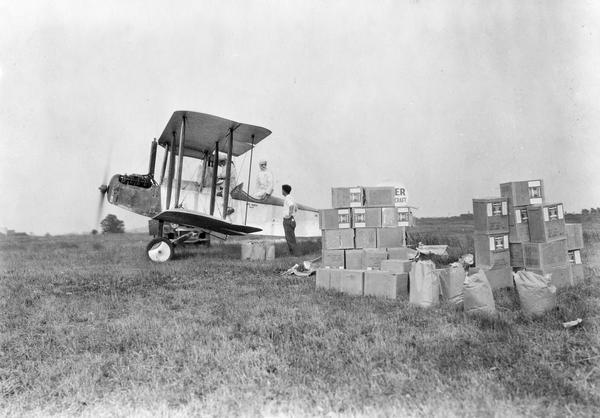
432,249
466,260
303,270
571,324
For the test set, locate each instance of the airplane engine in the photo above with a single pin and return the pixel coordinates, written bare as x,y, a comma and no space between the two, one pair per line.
137,193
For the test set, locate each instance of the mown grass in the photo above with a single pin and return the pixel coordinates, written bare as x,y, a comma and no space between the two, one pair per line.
89,327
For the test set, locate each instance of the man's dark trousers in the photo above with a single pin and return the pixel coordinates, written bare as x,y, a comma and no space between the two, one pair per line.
289,225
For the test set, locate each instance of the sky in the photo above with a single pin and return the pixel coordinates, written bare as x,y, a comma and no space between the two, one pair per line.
447,98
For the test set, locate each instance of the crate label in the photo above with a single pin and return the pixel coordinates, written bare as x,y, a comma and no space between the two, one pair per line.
504,208
505,241
546,215
537,201
499,243
535,192
360,218
561,213
518,218
575,257
356,197
497,209
534,183
492,245
344,218
400,197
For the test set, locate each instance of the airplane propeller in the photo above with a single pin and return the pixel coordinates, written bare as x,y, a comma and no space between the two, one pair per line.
103,190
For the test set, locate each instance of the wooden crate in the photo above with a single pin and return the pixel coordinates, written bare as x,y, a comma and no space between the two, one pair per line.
541,255
335,279
490,215
323,277
576,265
546,222
396,266
335,218
391,237
354,259
574,234
561,276
497,277
379,196
352,282
399,253
365,238
491,250
338,239
518,225
385,284
522,193
333,258
372,257
385,196
392,217
517,257
366,217
347,197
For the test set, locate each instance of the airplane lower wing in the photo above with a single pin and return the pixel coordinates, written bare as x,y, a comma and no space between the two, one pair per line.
204,221
238,193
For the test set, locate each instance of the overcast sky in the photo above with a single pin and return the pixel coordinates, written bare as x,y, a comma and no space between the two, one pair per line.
448,98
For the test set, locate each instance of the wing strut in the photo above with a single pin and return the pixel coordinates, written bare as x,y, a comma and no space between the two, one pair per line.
180,160
204,164
213,186
164,164
228,174
249,172
171,171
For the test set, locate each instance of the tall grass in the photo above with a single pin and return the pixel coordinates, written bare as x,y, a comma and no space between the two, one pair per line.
89,327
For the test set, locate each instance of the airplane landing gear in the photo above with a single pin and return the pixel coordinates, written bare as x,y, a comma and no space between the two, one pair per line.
160,250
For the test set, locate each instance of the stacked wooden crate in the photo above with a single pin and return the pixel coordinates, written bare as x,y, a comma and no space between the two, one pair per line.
538,234
491,240
574,246
364,241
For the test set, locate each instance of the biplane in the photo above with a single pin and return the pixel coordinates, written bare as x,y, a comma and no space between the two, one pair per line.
191,211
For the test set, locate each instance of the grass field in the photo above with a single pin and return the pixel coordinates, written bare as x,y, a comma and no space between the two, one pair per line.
89,327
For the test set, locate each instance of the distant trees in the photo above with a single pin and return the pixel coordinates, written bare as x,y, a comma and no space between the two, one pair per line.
591,211
112,224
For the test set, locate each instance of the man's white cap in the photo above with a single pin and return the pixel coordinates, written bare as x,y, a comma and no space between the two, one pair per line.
261,162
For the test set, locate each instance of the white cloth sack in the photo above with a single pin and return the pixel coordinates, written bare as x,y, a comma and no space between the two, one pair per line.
477,293
536,294
451,284
424,284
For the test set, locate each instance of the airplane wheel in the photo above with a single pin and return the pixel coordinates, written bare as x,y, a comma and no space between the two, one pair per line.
159,250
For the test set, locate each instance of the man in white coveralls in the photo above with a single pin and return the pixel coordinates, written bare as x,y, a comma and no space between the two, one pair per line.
264,181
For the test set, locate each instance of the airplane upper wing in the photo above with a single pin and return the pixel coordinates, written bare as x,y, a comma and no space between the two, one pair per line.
204,221
202,131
